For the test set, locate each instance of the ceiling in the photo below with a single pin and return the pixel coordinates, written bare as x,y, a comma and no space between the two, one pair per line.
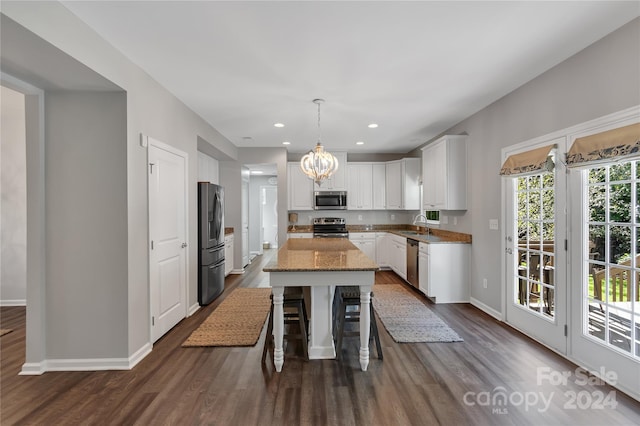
415,68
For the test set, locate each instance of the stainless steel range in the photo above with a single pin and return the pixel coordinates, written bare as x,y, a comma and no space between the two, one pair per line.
330,227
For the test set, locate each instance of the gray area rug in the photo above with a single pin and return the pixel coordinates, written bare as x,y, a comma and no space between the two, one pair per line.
407,319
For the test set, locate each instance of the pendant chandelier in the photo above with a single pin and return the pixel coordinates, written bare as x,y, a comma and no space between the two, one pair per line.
319,164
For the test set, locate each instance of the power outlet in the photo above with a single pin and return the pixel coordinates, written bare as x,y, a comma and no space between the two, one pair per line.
493,224
359,217
484,283
393,217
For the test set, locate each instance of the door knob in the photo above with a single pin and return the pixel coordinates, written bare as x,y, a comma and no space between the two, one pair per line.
183,245
509,251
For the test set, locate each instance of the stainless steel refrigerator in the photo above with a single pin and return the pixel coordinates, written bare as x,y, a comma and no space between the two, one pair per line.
211,242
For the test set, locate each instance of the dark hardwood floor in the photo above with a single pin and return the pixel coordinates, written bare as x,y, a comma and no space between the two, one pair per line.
416,384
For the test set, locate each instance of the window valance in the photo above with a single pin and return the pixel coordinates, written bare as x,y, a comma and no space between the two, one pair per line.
611,145
529,162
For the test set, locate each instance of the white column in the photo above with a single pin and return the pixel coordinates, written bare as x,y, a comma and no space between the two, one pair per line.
278,327
365,325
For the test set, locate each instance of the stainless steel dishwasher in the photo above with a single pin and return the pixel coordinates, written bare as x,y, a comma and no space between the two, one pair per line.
412,263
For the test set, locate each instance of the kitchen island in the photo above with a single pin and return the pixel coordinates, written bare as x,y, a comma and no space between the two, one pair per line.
321,264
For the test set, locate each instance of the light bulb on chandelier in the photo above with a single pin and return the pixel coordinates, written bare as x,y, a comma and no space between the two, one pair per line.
319,164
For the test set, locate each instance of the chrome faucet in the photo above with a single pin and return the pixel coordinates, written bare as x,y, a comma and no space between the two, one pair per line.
417,221
423,222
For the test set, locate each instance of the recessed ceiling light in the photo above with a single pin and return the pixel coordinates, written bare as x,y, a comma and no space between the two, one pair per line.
359,143
372,126
278,125
286,143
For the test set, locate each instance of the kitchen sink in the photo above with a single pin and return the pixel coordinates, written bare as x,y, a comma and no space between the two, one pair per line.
424,237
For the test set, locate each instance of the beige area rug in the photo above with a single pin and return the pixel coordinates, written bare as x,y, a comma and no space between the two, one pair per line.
4,331
407,319
238,321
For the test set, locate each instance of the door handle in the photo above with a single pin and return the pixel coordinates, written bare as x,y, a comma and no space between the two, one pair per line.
183,245
509,251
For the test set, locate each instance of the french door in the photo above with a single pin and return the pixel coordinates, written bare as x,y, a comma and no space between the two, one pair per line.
535,250
605,319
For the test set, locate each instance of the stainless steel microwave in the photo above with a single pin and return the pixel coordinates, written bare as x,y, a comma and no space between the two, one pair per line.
330,200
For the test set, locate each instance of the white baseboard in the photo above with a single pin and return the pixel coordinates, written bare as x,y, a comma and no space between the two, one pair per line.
89,364
237,271
139,355
31,369
193,309
16,302
487,309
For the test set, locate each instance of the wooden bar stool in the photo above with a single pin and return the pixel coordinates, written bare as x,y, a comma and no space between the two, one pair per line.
295,312
345,298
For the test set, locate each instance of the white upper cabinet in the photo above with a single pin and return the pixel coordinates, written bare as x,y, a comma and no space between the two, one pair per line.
338,181
444,174
300,193
208,168
379,186
360,186
403,184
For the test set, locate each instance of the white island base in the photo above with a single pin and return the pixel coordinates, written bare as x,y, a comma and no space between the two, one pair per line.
322,286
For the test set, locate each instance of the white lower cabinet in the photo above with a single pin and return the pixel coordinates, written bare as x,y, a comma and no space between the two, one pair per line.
299,235
397,255
365,241
228,254
382,253
444,272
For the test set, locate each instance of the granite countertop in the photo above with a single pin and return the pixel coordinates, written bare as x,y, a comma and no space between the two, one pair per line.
419,233
320,254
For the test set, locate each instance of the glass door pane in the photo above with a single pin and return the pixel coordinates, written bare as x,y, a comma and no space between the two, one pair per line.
610,305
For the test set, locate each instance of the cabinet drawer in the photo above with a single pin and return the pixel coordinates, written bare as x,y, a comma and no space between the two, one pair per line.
362,236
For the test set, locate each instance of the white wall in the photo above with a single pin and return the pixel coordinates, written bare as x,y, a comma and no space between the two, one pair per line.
13,207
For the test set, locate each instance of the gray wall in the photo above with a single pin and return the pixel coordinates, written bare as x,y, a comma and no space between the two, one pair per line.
13,206
601,79
149,110
86,224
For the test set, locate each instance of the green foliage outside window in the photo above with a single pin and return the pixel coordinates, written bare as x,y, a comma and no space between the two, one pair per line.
615,183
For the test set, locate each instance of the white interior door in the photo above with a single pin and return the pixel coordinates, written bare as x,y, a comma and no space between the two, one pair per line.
167,231
535,252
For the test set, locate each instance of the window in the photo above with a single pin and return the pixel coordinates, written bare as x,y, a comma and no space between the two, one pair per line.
433,217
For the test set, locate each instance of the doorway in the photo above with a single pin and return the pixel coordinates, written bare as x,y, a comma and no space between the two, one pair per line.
263,211
269,216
